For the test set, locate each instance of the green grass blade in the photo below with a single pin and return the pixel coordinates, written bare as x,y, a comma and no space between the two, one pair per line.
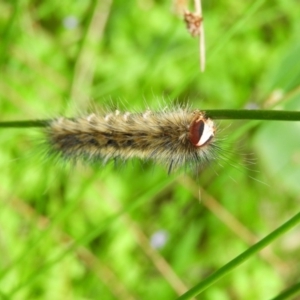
292,291
245,114
196,290
218,114
24,124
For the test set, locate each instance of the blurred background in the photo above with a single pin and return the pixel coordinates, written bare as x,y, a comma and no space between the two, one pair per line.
131,231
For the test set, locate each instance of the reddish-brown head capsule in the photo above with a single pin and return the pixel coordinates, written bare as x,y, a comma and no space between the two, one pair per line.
201,131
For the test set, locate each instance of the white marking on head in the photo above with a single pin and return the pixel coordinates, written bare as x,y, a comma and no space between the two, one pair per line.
208,132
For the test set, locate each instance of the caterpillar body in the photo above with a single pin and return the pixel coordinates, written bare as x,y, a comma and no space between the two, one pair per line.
177,137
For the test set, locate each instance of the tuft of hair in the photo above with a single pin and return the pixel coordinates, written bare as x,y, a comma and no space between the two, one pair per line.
174,137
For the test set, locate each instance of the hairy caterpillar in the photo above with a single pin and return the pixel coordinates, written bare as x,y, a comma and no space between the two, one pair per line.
177,137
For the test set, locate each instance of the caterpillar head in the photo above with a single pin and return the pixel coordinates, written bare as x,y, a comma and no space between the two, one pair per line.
202,131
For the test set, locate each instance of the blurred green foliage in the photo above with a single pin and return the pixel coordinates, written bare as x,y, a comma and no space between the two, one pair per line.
90,232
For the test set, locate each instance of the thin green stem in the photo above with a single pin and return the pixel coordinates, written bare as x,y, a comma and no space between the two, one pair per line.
204,284
25,124
292,291
217,114
246,114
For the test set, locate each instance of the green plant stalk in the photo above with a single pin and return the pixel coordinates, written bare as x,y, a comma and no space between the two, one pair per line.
247,114
217,114
24,124
204,284
292,291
